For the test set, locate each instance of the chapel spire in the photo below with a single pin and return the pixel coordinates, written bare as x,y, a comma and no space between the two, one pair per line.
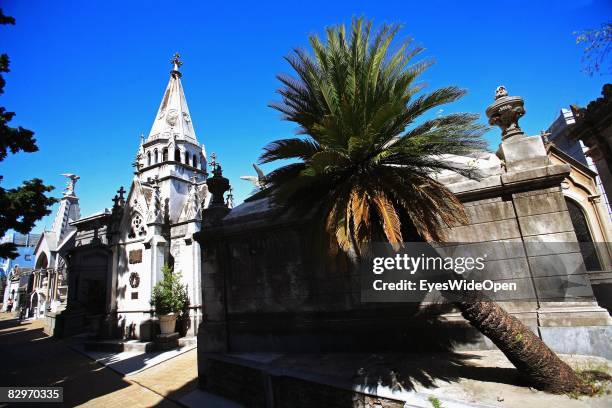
173,120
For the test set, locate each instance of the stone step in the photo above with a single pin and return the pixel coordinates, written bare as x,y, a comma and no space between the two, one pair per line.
188,341
119,346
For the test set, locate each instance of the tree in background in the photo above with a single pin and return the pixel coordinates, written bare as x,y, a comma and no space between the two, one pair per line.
596,44
366,167
22,206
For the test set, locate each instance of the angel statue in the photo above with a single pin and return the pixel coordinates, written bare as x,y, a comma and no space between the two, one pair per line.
72,179
259,181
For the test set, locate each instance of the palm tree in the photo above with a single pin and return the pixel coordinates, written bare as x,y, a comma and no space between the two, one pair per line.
366,159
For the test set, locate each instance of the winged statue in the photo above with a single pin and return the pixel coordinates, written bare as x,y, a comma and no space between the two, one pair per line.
259,181
72,179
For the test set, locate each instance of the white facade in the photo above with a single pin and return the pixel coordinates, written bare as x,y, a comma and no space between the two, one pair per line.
161,213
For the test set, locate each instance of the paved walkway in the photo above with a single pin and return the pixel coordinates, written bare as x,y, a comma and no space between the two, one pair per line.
30,358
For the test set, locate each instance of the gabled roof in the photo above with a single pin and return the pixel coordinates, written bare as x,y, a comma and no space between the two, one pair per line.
551,148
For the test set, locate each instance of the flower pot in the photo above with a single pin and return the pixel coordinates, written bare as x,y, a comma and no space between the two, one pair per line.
167,323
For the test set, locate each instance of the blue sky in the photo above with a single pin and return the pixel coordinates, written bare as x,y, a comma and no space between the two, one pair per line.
88,76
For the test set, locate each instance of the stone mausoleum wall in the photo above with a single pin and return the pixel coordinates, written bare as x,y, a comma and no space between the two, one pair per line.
264,291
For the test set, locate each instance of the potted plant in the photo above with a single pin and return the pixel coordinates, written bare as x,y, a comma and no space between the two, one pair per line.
169,296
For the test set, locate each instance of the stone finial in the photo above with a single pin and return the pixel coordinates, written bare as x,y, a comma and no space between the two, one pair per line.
229,202
137,163
213,161
155,209
115,202
500,92
176,64
120,196
217,184
505,112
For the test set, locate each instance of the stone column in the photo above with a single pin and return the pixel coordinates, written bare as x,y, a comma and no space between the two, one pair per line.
192,265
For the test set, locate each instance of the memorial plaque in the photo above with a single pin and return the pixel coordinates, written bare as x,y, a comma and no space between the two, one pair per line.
135,256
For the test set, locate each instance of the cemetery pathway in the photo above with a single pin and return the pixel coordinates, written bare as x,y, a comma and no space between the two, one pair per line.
30,358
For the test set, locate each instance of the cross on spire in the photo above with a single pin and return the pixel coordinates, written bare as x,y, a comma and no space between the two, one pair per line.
176,63
213,161
119,200
121,192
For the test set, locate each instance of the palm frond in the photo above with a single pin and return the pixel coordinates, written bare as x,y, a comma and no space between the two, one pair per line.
368,160
289,149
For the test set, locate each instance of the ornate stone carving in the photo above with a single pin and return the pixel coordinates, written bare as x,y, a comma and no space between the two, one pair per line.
217,184
155,209
192,207
505,112
171,117
500,92
138,228
134,280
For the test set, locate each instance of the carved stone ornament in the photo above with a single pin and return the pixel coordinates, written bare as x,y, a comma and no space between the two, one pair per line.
505,112
171,117
134,280
500,92
138,228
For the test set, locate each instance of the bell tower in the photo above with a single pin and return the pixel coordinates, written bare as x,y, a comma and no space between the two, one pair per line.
156,222
171,156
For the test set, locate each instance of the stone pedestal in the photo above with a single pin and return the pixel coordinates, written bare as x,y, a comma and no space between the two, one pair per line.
521,153
166,341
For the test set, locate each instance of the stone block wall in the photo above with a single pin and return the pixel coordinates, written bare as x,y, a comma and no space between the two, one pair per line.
263,289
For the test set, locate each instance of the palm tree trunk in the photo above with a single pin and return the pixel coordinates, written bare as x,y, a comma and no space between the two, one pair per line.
526,351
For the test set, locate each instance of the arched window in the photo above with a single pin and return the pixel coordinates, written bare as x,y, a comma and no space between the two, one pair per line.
156,155
148,158
195,161
202,162
177,155
165,155
187,158
583,234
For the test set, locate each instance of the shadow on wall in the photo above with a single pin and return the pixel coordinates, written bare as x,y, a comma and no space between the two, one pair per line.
403,328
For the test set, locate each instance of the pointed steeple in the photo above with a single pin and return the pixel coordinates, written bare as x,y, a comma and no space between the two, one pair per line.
173,118
68,210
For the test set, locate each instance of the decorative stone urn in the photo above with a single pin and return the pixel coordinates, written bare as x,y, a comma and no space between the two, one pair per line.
217,185
505,112
167,323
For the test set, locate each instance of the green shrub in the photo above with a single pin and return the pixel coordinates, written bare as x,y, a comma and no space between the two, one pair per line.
169,294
